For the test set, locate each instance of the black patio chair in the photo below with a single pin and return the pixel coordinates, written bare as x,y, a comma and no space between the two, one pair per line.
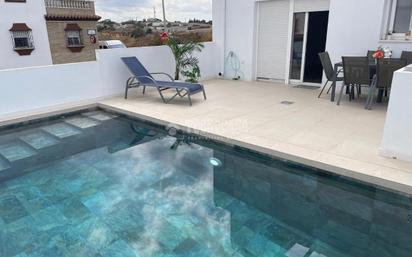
407,56
356,74
384,76
329,71
371,59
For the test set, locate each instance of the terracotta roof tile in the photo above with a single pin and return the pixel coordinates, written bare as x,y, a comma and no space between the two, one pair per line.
71,17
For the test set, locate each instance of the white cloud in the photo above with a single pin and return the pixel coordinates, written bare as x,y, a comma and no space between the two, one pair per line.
120,10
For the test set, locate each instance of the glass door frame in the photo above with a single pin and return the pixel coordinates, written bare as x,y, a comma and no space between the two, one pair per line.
305,36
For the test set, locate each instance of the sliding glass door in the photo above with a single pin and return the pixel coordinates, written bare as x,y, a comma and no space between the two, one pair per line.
308,40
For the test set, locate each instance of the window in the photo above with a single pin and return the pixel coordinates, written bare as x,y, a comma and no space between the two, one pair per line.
400,19
22,38
73,38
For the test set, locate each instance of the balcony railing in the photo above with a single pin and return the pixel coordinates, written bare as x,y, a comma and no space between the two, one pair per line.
69,4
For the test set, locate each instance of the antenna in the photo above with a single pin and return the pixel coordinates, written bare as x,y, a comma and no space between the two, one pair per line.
154,12
164,14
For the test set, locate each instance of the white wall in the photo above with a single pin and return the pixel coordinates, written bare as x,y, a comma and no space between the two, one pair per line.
32,13
397,139
219,20
355,27
31,88
234,30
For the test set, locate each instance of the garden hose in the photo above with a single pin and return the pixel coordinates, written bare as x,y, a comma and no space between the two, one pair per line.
232,64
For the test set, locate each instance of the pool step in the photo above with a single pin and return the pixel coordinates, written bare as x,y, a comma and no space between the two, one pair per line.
39,139
316,254
82,122
297,250
99,115
61,130
16,150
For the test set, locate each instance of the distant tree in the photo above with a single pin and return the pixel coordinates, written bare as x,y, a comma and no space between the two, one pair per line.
129,22
149,31
106,25
138,31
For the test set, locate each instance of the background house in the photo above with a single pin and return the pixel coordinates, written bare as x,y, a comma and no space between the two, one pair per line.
72,30
30,34
45,32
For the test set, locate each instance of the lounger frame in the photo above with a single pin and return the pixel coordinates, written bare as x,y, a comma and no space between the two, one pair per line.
134,82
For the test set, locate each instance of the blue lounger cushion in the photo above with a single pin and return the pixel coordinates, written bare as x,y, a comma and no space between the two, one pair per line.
189,86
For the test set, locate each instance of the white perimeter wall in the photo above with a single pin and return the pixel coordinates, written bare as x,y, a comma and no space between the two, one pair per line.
26,89
156,59
32,88
397,139
355,27
32,13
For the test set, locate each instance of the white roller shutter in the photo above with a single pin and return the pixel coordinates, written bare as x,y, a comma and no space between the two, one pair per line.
273,27
311,5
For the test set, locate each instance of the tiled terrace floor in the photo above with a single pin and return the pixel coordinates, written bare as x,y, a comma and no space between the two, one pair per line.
343,139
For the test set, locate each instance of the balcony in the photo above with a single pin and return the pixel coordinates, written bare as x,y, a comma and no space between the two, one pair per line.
69,4
70,7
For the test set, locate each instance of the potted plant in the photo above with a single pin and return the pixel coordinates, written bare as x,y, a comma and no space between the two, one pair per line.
186,64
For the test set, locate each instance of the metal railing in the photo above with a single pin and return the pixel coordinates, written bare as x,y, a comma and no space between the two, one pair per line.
69,4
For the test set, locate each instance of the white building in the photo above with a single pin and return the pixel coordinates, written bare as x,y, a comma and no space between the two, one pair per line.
28,43
279,39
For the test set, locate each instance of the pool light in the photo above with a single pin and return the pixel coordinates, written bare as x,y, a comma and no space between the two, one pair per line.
215,162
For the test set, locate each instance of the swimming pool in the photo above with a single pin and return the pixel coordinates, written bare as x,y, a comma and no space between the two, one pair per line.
96,183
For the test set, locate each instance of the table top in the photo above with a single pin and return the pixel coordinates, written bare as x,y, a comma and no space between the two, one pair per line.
340,64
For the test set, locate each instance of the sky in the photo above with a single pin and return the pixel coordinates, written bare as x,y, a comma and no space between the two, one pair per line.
182,10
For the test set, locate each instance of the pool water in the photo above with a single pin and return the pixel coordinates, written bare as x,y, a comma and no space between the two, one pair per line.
100,184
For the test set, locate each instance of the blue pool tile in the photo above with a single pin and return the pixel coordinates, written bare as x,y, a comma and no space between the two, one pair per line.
51,249
74,210
16,150
126,219
119,249
3,164
100,204
32,200
169,236
82,122
96,233
8,248
54,192
11,209
23,254
61,130
39,140
49,218
24,234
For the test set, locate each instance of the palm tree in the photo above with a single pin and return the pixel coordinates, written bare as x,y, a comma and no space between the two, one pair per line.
186,64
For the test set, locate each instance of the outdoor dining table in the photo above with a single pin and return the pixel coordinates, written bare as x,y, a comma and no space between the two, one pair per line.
337,67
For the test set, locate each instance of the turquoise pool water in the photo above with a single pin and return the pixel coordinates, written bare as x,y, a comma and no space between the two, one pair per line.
98,184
